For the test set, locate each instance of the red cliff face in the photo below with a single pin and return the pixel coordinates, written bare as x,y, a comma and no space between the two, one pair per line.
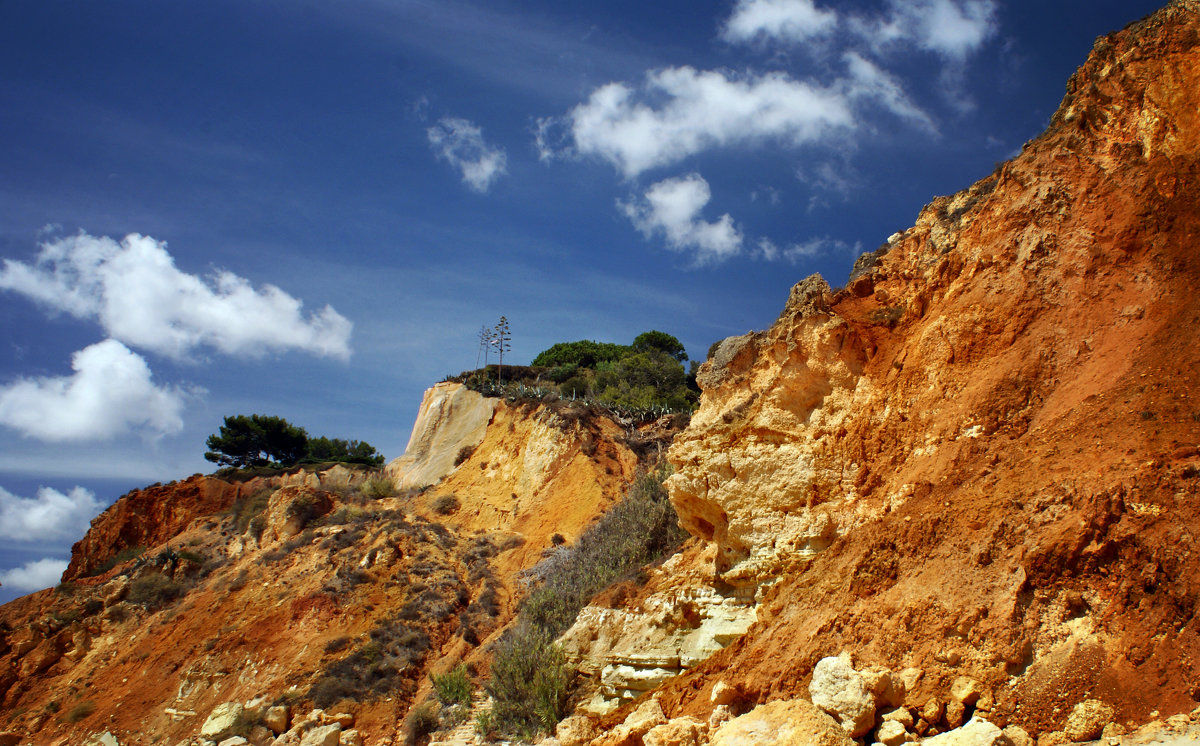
981,456
149,517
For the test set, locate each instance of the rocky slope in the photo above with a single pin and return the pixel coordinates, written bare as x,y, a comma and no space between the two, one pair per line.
980,458
330,589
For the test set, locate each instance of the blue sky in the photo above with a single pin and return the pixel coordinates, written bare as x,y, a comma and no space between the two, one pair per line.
310,209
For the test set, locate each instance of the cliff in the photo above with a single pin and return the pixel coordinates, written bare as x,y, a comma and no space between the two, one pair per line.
334,589
978,459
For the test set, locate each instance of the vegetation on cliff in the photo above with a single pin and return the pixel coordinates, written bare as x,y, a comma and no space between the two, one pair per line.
264,440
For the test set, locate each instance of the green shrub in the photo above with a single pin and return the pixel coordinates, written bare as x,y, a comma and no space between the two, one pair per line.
154,590
378,487
529,683
81,711
454,687
124,555
639,530
446,504
422,721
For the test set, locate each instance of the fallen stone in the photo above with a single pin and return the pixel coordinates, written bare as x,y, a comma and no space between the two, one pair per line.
684,731
260,735
575,730
900,715
795,722
1087,720
1111,731
344,719
223,721
324,735
639,722
978,732
966,690
842,692
720,715
1053,738
891,733
351,738
932,711
234,741
276,718
955,713
1018,736
103,739
723,694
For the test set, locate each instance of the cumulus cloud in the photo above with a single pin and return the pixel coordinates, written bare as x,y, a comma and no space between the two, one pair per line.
51,516
138,296
787,20
110,393
34,576
952,29
460,143
680,111
672,207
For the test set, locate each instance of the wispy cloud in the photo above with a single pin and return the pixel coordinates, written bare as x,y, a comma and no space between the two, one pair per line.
34,576
789,20
672,207
133,289
460,143
50,516
793,253
110,393
953,29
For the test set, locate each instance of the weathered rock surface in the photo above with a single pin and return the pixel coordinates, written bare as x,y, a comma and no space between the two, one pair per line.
842,692
784,723
1087,720
452,420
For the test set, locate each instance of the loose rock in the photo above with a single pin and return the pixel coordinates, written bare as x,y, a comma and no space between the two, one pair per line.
1087,720
842,692
793,722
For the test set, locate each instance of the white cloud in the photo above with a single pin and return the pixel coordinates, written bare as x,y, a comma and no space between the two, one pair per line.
788,20
460,143
51,516
110,393
681,111
952,29
673,207
34,576
138,296
767,250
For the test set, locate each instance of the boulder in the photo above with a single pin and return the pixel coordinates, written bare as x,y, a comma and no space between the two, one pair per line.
344,719
932,711
684,731
722,694
234,741
842,692
891,733
276,718
795,722
900,715
260,735
351,738
224,721
966,690
978,732
1017,736
115,590
1086,722
575,730
955,713
324,735
639,722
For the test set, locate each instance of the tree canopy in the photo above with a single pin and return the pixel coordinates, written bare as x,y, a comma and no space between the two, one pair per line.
261,440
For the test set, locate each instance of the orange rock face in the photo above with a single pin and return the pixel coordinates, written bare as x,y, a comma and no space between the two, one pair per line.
981,456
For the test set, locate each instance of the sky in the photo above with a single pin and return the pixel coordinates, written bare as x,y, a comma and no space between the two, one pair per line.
310,209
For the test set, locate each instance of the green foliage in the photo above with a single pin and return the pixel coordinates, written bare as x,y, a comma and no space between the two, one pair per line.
529,683
378,487
256,440
81,711
530,678
643,380
639,530
422,721
582,354
661,341
346,451
154,590
454,687
446,504
124,555
261,440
